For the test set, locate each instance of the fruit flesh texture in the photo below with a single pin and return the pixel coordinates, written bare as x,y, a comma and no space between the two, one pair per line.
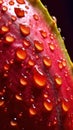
36,80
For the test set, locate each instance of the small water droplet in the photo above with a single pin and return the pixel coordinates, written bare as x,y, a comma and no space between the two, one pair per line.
35,16
32,110
13,122
43,33
2,101
4,8
51,46
19,97
19,12
65,105
26,43
20,1
60,65
31,62
6,66
39,78
47,61
21,54
38,45
48,105
9,39
25,30
11,2
13,18
58,80
23,80
54,18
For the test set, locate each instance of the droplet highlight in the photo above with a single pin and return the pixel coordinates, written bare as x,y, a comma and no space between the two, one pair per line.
21,54
47,61
39,46
25,30
48,105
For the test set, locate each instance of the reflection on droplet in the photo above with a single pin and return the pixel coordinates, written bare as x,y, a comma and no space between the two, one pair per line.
51,46
39,78
11,2
4,8
31,62
26,43
48,105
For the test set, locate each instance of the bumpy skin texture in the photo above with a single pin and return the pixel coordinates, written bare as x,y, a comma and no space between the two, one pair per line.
36,79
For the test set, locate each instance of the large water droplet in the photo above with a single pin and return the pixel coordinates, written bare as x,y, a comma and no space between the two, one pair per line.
21,54
47,61
25,30
11,2
5,29
19,12
20,1
48,105
43,33
39,78
9,39
38,45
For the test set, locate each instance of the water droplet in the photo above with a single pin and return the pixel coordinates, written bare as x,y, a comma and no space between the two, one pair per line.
35,16
4,8
2,101
21,54
43,33
26,43
47,61
19,97
65,105
13,18
9,39
58,80
19,12
1,1
38,45
64,62
20,1
32,110
4,29
25,30
6,66
31,62
60,65
13,122
51,46
54,18
23,80
48,105
39,78
11,2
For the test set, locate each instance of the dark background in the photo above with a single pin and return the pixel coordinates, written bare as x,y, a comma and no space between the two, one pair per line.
63,11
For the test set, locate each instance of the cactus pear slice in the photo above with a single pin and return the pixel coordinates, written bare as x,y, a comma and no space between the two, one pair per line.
36,73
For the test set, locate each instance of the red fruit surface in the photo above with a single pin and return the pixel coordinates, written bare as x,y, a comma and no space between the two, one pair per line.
36,79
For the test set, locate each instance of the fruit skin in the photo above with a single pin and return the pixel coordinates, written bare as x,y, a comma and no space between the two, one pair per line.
36,73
